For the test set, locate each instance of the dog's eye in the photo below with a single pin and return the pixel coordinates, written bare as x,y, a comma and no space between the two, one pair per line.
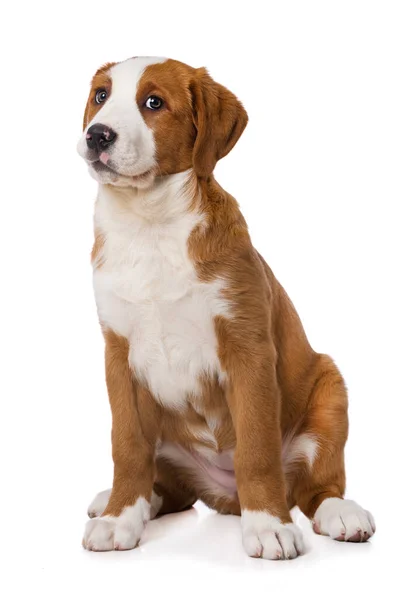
101,96
154,103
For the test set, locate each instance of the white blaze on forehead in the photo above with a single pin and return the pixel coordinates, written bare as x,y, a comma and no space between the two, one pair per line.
126,75
133,151
120,109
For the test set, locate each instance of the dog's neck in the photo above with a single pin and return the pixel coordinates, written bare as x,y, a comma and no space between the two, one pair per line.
179,206
167,200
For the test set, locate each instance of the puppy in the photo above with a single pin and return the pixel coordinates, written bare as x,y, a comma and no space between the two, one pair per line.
214,389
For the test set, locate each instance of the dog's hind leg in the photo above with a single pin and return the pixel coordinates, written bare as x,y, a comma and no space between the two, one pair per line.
172,488
319,482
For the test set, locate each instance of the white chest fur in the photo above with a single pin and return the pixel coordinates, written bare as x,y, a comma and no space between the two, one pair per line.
147,290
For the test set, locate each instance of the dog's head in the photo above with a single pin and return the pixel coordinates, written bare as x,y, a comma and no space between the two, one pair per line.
147,117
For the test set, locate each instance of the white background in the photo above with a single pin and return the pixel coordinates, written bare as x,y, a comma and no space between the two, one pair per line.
317,176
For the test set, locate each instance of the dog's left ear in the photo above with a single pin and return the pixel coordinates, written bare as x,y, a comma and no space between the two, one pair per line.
219,118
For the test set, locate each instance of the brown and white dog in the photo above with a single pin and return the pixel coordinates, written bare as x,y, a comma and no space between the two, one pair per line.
214,389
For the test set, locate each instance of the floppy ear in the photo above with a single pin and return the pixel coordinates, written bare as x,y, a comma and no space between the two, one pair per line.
219,118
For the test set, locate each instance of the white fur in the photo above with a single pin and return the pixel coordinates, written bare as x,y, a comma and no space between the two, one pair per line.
117,533
133,152
99,504
148,291
205,435
223,460
265,536
200,464
156,504
343,519
297,448
212,421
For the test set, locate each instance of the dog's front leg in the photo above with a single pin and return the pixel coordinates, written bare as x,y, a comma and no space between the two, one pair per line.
133,444
254,401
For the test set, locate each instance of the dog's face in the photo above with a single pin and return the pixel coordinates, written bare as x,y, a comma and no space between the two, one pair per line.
147,117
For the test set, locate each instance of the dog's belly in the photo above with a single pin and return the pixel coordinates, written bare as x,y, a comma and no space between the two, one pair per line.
167,315
211,472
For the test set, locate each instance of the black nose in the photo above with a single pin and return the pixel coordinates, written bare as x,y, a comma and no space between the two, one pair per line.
99,137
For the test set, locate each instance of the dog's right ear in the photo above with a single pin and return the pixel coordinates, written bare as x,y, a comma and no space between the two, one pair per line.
219,118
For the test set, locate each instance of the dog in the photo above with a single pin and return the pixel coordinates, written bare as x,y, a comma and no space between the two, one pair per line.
215,391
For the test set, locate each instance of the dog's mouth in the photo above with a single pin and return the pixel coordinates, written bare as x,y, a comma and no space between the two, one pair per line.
100,167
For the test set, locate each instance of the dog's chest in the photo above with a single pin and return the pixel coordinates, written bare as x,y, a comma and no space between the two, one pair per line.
147,290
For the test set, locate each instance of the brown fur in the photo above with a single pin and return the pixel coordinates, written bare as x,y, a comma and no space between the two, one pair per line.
173,126
101,80
276,386
190,129
95,256
133,438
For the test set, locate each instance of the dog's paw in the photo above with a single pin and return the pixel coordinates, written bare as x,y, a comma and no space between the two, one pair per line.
343,520
117,533
264,536
98,504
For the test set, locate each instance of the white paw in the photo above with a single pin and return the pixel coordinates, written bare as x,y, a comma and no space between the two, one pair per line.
98,504
343,520
117,533
265,536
